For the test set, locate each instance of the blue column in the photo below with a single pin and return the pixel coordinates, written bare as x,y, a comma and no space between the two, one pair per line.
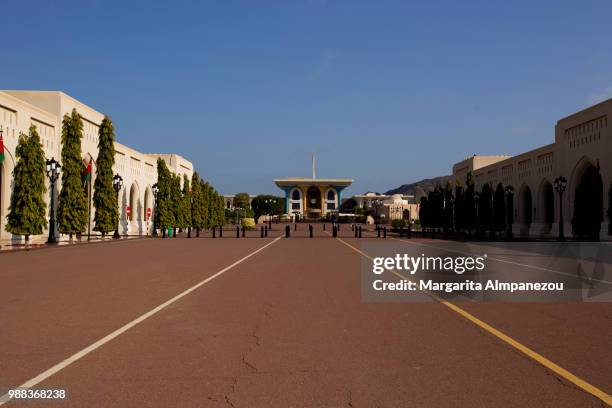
339,190
286,201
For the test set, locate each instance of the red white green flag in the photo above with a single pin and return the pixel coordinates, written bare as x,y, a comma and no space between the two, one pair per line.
1,148
86,171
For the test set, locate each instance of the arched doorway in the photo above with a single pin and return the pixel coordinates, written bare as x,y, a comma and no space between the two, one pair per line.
135,210
295,202
313,198
546,205
588,204
525,210
148,207
331,202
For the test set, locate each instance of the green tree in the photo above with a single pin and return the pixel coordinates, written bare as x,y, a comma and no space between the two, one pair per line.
448,203
485,204
424,214
198,220
206,204
459,206
267,204
186,205
469,214
72,203
499,209
176,200
241,200
165,213
27,207
221,209
105,196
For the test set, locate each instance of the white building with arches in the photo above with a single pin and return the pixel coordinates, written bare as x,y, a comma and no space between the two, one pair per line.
582,149
46,109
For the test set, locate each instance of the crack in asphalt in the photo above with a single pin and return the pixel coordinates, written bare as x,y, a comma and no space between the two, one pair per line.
228,401
254,335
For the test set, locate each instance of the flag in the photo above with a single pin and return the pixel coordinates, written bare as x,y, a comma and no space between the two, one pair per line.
86,171
1,148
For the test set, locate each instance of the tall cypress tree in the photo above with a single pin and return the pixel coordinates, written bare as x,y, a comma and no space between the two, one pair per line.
105,196
165,214
470,203
176,201
197,203
485,213
206,204
459,206
72,203
186,205
221,209
27,208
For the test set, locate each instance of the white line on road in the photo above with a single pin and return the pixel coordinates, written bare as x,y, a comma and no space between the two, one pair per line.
60,366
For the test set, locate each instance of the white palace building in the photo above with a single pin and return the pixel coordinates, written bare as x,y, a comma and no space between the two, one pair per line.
45,110
582,147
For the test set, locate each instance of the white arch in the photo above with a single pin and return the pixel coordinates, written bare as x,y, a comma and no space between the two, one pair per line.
295,205
135,203
333,202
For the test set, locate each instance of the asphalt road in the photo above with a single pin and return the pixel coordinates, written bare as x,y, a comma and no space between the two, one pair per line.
285,326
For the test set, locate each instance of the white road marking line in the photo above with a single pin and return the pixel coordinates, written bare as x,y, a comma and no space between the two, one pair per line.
540,268
75,357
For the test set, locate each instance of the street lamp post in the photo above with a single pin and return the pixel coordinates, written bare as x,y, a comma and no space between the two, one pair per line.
118,185
53,169
560,186
509,190
155,190
269,203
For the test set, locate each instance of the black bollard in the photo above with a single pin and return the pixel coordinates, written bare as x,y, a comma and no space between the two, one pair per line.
323,226
377,232
287,231
243,231
356,231
214,232
310,229
295,227
409,231
352,227
401,232
270,224
360,231
220,231
237,231
335,231
385,233
338,227
266,231
262,233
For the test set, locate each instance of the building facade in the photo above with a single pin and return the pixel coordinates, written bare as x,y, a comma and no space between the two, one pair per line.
45,110
389,207
582,148
312,197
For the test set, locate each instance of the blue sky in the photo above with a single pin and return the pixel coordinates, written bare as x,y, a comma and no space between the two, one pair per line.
386,92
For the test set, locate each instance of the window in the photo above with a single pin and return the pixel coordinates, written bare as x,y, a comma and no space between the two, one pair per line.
331,196
296,195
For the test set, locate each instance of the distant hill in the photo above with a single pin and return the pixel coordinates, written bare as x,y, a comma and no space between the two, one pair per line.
419,188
